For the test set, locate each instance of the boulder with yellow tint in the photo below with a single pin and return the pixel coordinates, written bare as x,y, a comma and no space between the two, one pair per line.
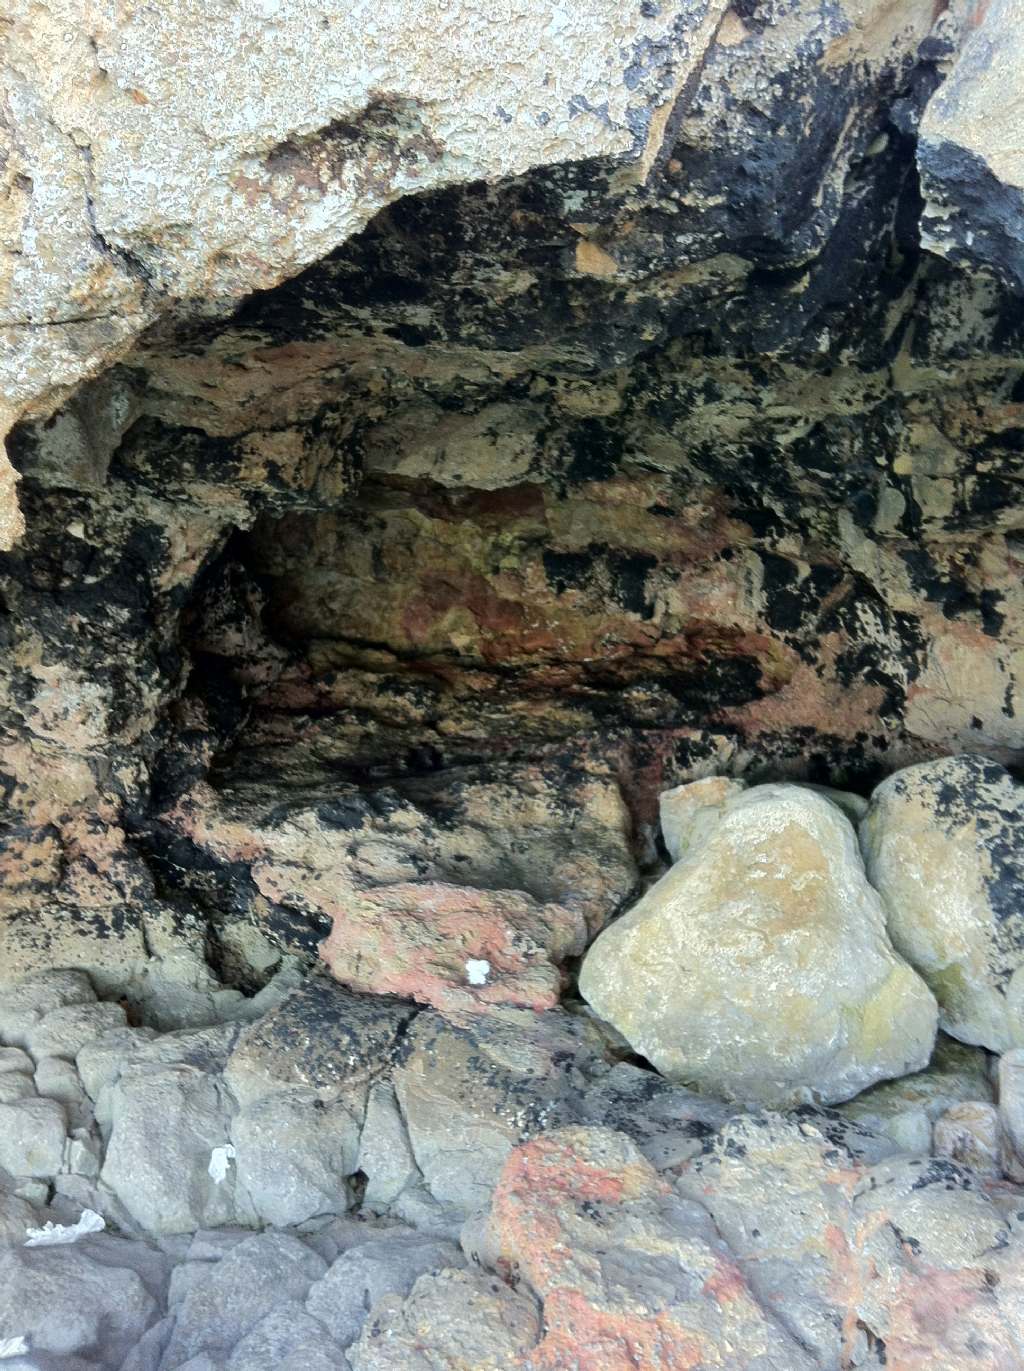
759,967
944,844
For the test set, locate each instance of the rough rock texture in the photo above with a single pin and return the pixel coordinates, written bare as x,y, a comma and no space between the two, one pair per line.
972,167
759,968
606,1217
944,845
589,1225
445,432
651,468
205,156
906,1109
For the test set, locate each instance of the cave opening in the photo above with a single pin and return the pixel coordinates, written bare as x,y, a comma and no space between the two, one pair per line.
511,835
495,497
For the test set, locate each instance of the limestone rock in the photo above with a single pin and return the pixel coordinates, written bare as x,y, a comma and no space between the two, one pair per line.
775,1189
451,1320
452,947
471,1086
906,1109
690,812
621,1265
969,1133
300,1077
24,1004
944,845
385,1153
250,199
164,1114
32,1134
336,852
759,966
871,1266
75,1301
370,1271
287,1339
1011,1111
230,1297
65,1031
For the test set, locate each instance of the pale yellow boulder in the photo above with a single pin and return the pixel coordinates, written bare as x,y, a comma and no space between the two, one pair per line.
758,967
943,843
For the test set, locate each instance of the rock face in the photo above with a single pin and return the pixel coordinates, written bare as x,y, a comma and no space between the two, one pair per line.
300,164
943,844
972,170
618,466
759,967
448,435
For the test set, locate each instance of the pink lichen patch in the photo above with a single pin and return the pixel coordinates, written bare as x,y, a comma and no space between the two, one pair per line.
626,1278
429,942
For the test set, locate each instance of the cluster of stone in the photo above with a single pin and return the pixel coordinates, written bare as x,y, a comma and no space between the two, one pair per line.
331,1177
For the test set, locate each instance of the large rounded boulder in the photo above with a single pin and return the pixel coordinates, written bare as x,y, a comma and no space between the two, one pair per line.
759,968
944,845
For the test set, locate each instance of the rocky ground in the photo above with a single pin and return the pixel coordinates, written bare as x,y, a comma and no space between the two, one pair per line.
511,667
757,1153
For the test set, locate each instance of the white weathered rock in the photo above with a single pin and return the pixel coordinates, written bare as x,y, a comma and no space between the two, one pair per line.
74,1301
32,1134
64,1032
944,845
16,1085
287,1339
690,812
759,967
385,1154
24,1004
969,149
164,1115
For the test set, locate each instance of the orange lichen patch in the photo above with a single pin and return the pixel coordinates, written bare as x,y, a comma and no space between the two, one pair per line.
573,1213
580,1338
449,946
554,1166
812,691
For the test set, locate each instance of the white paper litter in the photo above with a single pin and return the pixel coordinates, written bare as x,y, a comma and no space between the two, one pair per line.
477,971
13,1347
219,1158
53,1233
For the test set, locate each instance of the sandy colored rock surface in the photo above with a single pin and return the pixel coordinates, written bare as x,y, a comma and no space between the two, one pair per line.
759,967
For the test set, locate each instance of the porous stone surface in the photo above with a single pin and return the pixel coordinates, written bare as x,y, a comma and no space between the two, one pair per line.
452,947
943,845
554,1199
642,468
452,1319
969,1133
588,1224
759,968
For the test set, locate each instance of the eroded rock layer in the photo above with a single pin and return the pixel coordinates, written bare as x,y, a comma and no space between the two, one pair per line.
713,470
